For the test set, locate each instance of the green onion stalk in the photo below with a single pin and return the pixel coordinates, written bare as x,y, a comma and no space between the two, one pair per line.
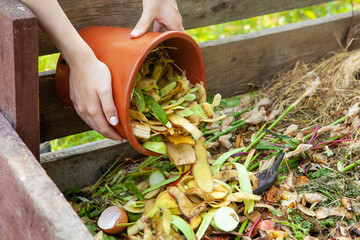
248,162
242,111
331,124
340,164
242,228
225,132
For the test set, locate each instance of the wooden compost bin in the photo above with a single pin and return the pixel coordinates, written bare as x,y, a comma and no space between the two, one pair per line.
31,203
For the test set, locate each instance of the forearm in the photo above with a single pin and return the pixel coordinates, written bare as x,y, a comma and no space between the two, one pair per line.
58,27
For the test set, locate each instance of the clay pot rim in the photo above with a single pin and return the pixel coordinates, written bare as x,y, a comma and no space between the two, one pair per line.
150,46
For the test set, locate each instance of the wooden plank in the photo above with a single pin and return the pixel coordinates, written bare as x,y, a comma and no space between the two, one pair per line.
231,64
53,110
18,71
198,13
31,207
84,164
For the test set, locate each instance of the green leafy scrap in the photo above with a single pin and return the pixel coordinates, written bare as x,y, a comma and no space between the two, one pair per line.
139,99
156,110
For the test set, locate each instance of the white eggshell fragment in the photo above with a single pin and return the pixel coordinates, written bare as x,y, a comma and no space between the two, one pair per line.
110,218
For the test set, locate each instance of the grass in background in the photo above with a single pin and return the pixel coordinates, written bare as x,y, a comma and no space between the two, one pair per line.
272,20
203,34
75,140
48,62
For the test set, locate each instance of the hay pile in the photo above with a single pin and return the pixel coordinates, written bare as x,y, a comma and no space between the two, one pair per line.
339,89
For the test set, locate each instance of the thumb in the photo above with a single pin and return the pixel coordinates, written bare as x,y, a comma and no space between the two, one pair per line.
142,26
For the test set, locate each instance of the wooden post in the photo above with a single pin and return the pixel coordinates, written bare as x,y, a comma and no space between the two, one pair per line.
31,206
19,94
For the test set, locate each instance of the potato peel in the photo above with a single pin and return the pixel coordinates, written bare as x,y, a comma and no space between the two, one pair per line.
181,154
201,170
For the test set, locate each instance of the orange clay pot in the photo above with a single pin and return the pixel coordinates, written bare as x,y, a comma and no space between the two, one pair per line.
124,56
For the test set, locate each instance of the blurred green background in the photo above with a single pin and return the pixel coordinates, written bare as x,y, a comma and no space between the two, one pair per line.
48,62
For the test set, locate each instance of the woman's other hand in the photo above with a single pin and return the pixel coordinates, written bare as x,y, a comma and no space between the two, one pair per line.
164,13
91,94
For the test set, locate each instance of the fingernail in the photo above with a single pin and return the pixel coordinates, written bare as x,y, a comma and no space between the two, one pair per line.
114,121
135,32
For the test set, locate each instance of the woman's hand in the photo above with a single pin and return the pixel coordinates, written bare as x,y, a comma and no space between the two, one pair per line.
90,79
91,94
164,13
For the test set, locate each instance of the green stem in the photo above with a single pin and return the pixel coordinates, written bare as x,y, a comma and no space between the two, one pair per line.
237,158
258,154
350,166
339,121
331,139
292,164
103,177
236,122
247,163
282,116
225,132
331,124
255,165
242,111
290,161
260,130
242,228
268,157
210,132
254,142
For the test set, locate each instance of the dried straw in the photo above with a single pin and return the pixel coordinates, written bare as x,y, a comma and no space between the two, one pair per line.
339,89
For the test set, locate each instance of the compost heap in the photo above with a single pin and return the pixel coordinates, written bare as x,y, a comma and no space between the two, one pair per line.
311,127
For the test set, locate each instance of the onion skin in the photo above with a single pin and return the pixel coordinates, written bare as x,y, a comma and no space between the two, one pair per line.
118,229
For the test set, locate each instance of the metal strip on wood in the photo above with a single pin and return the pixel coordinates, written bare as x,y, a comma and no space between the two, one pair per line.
195,14
31,206
19,71
231,64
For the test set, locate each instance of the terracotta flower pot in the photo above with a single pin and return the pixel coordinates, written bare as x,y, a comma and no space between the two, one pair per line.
124,56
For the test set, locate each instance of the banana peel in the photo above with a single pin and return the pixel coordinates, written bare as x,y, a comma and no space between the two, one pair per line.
164,201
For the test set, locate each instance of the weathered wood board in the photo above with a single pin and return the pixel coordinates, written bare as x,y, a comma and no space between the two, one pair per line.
231,64
19,94
195,14
84,164
31,206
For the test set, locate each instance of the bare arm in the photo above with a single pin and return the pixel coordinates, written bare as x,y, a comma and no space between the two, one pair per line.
58,27
90,79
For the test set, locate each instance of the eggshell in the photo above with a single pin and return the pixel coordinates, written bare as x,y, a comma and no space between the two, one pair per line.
110,218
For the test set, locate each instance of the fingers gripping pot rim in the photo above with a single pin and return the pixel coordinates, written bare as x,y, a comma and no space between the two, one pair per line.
124,57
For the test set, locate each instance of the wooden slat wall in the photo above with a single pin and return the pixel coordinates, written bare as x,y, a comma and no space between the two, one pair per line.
197,13
19,92
31,206
231,64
